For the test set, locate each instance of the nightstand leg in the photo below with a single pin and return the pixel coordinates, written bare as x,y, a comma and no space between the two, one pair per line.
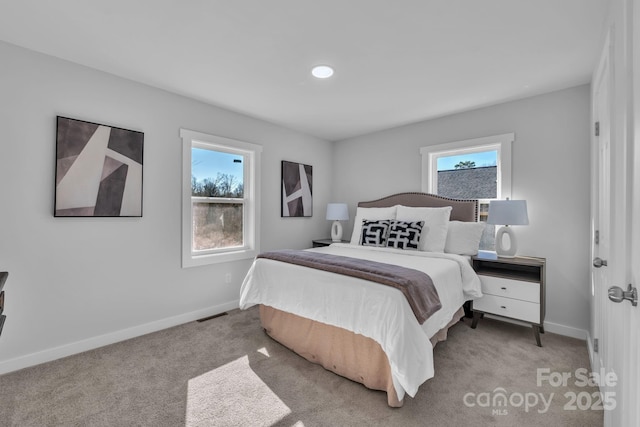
536,332
542,329
476,317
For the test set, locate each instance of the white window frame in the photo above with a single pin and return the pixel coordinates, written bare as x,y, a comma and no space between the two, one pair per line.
500,143
251,154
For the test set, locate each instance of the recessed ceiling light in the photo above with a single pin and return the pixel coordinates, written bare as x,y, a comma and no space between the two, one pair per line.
322,71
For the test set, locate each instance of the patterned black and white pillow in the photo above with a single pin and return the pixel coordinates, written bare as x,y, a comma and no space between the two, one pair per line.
374,233
404,234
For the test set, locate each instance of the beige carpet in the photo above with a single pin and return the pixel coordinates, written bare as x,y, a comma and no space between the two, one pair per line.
227,372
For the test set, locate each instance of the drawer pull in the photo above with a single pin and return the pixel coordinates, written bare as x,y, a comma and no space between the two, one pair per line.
502,306
503,288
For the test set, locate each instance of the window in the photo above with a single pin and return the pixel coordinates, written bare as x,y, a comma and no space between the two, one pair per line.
477,168
220,199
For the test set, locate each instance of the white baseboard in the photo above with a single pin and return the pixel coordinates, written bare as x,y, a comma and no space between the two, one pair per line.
110,338
555,328
566,331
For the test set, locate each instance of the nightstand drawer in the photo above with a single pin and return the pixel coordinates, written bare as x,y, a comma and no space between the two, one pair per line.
516,309
518,289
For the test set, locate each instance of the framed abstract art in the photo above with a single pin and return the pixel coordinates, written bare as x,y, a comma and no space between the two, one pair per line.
297,189
98,170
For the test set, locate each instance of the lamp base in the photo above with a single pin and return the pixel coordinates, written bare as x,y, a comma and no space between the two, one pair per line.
336,231
502,250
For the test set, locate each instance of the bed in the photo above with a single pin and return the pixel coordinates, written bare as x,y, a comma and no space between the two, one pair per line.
365,331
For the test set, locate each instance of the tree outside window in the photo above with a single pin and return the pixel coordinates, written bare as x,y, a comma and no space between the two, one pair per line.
217,192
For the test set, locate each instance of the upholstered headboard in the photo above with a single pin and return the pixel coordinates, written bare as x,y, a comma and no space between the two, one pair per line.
463,210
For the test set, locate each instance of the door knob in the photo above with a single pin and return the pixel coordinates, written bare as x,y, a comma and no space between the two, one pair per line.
616,294
597,262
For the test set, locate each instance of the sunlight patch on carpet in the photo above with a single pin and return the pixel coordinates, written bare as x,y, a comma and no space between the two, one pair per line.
264,351
232,395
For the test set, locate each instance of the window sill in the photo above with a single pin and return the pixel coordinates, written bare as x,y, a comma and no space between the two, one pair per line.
200,260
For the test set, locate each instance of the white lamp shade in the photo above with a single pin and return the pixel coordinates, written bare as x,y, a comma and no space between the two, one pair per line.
508,212
337,212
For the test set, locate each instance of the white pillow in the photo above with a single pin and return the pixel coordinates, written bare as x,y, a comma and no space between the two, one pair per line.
463,238
436,223
370,214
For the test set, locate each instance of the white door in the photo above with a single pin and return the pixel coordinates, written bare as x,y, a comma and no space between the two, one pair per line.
606,337
616,245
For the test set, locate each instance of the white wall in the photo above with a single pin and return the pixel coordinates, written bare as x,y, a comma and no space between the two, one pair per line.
77,283
551,161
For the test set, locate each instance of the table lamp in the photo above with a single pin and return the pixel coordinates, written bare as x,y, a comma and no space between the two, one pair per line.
337,212
507,213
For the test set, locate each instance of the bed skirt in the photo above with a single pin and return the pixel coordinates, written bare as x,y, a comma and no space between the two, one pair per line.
343,352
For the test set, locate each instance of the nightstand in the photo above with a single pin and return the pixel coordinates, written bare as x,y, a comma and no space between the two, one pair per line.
512,288
318,243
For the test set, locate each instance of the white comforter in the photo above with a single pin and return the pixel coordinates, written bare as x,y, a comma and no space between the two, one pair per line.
379,312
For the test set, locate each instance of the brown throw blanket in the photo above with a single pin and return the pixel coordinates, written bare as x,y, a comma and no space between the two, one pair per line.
416,286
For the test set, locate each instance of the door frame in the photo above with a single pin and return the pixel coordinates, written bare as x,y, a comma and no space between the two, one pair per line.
632,353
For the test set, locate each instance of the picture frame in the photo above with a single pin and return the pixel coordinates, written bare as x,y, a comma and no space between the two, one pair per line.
296,190
98,170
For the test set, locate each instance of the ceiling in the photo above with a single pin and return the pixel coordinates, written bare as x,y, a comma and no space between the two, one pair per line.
396,62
